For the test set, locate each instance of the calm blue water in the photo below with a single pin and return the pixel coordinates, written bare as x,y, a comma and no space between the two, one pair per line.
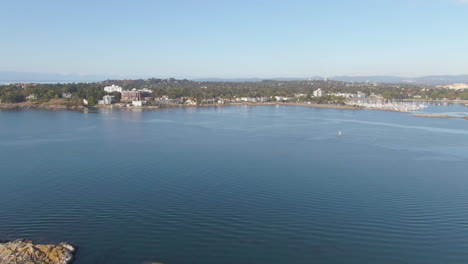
237,185
459,110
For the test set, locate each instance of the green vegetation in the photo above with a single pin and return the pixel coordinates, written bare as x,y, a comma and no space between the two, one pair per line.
207,90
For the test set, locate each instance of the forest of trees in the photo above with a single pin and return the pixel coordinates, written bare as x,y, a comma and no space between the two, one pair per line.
173,88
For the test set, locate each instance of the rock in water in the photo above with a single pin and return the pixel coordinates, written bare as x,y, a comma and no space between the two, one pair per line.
23,251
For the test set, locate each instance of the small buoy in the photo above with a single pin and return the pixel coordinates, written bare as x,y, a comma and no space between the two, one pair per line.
339,133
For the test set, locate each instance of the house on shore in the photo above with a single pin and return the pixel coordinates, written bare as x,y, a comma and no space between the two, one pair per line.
106,100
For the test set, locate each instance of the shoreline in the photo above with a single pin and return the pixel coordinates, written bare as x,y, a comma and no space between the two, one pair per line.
440,116
22,251
80,108
61,107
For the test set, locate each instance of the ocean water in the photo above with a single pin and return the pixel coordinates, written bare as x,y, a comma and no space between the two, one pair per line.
259,185
458,110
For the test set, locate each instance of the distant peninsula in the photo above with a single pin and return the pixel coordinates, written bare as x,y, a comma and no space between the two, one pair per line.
159,93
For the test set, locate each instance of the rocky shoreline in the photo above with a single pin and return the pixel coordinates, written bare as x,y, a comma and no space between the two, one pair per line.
13,107
23,251
59,107
52,105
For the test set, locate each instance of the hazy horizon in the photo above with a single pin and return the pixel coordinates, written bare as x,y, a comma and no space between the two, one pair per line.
136,76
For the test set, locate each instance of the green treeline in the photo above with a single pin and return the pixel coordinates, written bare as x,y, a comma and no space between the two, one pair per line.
206,90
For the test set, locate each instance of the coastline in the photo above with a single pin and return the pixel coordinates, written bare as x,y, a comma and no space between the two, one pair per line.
440,116
60,105
54,106
22,251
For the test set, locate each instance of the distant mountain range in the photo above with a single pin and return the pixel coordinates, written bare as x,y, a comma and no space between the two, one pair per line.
13,77
424,80
253,79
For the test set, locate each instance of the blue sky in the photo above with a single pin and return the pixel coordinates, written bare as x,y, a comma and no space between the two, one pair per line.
231,39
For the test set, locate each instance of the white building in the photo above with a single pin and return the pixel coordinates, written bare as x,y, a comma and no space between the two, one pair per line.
249,99
31,97
113,88
106,100
361,95
190,102
67,95
345,95
138,103
318,92
144,90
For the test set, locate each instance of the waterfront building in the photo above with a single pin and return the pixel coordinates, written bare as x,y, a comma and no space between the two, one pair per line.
165,100
190,102
67,95
281,98
349,95
249,99
135,95
209,101
113,88
106,100
138,103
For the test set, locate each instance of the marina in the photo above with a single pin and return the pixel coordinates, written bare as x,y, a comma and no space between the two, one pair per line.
389,105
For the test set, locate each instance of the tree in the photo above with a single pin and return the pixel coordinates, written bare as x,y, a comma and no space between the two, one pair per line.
117,96
13,97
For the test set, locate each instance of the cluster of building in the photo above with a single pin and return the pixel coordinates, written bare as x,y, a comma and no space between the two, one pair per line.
107,100
134,96
455,86
139,97
350,95
165,100
259,99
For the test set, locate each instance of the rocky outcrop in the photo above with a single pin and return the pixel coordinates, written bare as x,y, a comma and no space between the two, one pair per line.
59,104
23,251
6,107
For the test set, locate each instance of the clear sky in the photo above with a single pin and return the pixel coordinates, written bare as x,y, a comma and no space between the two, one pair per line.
238,38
